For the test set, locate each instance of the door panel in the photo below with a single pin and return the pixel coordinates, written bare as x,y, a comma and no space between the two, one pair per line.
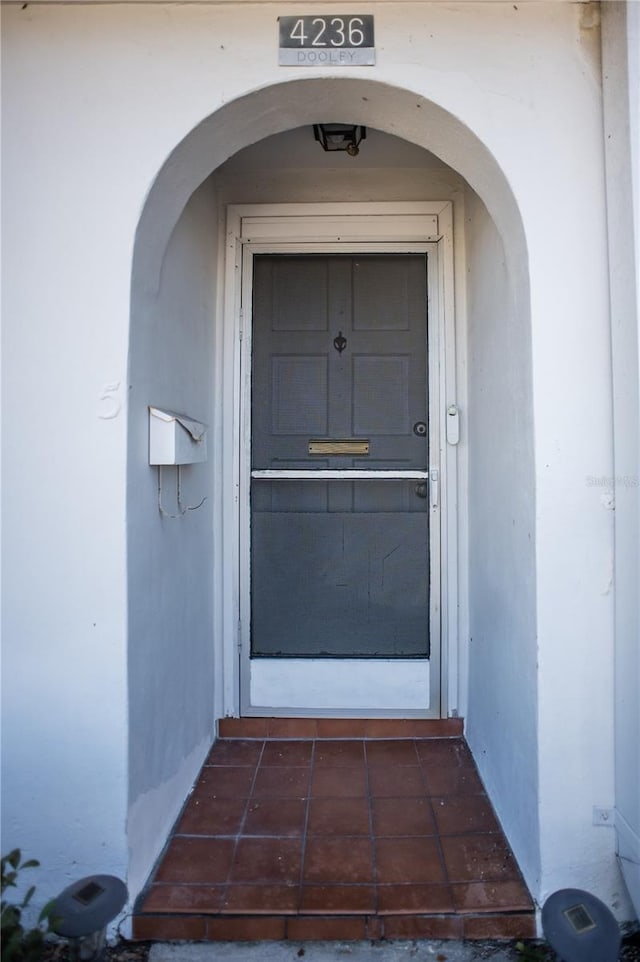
339,568
372,414
303,388
387,294
346,576
298,396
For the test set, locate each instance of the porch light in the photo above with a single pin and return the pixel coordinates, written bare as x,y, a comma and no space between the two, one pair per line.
83,910
580,928
340,137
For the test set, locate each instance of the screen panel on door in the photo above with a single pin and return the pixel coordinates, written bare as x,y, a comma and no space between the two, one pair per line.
339,568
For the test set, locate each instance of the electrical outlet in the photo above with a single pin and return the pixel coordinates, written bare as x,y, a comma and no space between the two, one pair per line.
602,816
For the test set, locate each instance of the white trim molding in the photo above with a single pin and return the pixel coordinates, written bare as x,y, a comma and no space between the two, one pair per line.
420,227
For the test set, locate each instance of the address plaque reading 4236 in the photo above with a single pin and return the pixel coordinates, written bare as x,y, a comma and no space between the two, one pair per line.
330,40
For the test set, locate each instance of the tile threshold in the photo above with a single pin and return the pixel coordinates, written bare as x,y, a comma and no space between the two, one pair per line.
328,728
296,831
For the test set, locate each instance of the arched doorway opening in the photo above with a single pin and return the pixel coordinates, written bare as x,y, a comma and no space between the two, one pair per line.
183,571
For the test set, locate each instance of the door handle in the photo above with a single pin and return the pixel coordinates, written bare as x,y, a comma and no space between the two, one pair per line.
434,486
422,489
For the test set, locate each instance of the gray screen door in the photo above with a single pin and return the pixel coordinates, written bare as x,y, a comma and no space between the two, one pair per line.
339,513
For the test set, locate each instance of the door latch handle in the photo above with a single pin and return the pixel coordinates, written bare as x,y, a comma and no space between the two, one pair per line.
453,424
434,487
422,489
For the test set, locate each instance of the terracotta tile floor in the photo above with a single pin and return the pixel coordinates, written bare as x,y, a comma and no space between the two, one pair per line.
344,838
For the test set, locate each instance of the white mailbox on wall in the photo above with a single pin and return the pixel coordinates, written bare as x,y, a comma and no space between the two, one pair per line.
175,438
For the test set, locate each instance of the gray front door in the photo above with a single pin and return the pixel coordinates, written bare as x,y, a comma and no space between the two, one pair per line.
339,513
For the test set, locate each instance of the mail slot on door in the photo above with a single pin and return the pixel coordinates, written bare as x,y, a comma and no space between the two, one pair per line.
344,446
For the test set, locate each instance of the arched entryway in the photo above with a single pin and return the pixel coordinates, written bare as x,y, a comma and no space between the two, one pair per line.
183,571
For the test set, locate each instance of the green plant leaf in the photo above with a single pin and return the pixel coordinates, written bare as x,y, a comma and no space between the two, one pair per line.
20,944
9,880
13,858
28,896
48,914
10,916
12,947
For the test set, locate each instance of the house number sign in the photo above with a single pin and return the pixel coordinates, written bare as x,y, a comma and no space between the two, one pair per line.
327,41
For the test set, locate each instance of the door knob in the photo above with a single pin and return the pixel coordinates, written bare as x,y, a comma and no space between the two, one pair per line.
422,489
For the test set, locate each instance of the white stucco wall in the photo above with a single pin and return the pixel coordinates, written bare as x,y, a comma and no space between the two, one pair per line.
96,98
170,556
502,699
574,541
64,350
621,71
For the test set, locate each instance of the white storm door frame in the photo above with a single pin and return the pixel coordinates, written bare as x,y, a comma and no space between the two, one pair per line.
421,227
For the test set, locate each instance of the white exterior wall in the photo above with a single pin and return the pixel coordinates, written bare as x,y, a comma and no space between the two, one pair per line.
170,557
574,530
621,72
64,340
502,626
96,99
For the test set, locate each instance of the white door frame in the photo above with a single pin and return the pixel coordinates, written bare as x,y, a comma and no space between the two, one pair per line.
329,228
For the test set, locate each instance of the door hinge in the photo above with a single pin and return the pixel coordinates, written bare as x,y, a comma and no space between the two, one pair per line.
239,635
241,328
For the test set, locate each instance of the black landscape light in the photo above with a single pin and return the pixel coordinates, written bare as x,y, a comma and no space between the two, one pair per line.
580,928
340,137
83,910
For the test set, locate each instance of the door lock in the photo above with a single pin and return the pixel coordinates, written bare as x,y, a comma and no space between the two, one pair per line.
420,429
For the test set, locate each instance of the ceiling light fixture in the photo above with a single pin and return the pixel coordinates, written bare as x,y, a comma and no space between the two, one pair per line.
346,137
